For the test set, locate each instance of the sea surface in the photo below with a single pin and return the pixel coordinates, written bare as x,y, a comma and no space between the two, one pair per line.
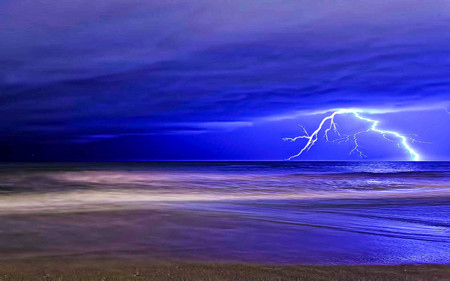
252,212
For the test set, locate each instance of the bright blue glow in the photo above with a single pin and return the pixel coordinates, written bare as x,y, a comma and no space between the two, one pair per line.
356,112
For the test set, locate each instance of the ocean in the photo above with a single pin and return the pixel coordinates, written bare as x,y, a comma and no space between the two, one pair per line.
252,212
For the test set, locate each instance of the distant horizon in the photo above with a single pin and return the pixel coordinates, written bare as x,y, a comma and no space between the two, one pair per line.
182,160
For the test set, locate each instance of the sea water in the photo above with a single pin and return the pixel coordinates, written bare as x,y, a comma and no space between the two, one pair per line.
253,212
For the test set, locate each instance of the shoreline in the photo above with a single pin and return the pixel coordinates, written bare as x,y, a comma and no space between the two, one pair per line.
121,269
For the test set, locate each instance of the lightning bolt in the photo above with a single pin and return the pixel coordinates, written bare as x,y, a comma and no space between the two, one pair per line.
312,138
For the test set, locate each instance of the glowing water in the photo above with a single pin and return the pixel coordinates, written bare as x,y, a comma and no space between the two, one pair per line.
263,212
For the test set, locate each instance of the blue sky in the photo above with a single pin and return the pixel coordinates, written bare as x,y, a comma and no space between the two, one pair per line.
152,80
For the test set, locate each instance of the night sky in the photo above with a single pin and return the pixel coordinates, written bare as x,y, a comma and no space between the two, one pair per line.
219,80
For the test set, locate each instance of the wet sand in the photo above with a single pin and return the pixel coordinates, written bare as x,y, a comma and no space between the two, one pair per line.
139,270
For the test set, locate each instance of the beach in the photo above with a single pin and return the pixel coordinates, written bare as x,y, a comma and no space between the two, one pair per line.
225,221
139,270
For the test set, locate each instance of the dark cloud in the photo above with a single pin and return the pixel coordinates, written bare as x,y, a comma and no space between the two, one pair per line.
82,69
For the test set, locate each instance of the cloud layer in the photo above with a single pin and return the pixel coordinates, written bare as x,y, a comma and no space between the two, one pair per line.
77,69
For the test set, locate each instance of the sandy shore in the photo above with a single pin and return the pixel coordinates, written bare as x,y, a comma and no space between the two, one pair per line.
132,270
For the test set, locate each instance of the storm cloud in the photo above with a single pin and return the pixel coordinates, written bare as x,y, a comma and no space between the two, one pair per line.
80,69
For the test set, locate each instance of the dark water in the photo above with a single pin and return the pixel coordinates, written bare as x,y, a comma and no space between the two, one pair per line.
259,212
